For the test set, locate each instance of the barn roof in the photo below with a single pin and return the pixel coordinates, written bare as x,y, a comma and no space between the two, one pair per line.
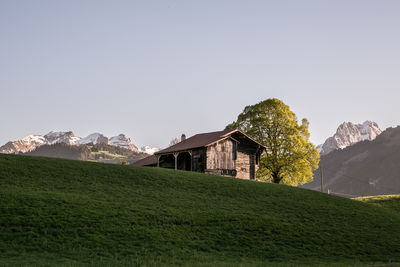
196,141
150,160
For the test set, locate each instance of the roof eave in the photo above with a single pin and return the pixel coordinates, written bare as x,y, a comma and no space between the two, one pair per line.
237,130
174,151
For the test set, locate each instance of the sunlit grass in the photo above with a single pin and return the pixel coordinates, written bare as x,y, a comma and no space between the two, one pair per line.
107,154
391,202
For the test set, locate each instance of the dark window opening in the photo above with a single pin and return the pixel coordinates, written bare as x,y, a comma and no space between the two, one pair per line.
252,167
234,150
198,162
228,172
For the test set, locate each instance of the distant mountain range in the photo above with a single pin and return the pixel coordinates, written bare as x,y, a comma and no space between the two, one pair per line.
363,168
348,134
31,142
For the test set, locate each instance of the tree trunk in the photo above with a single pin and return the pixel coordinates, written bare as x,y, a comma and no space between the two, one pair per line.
276,178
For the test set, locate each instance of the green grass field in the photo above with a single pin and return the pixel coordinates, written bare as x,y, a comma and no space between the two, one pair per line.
62,212
107,157
391,202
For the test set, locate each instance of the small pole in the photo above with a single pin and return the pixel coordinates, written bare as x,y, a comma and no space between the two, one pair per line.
322,178
176,159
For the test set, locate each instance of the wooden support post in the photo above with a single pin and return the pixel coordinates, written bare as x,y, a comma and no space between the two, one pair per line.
158,161
191,160
176,159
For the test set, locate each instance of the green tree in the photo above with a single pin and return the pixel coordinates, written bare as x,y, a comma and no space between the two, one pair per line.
290,157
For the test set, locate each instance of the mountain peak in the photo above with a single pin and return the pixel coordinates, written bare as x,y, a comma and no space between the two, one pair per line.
26,144
348,134
122,141
61,137
94,138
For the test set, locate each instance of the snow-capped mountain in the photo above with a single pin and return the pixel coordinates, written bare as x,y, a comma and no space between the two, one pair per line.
61,137
94,138
31,142
26,144
149,150
122,141
348,134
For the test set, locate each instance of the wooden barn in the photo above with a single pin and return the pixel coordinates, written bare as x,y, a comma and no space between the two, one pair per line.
228,153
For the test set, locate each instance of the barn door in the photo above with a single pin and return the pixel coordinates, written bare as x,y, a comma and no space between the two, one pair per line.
252,167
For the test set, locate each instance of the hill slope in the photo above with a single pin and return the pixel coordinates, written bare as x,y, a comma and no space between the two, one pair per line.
391,202
89,152
363,169
57,211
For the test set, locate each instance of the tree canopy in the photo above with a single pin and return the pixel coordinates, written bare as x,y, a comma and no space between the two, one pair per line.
290,157
174,141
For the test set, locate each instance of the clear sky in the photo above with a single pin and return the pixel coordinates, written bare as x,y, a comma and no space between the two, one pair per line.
156,69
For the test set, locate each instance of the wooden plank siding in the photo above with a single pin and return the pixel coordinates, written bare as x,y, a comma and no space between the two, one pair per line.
220,160
242,165
220,156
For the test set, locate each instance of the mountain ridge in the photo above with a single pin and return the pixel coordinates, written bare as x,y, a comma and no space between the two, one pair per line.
348,134
362,169
31,142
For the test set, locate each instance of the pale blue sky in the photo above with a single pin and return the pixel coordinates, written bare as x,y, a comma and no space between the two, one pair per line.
156,69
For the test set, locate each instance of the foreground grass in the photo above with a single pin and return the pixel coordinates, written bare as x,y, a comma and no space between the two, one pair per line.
60,212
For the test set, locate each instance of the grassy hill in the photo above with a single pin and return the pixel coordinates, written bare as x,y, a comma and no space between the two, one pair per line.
88,152
391,202
55,211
